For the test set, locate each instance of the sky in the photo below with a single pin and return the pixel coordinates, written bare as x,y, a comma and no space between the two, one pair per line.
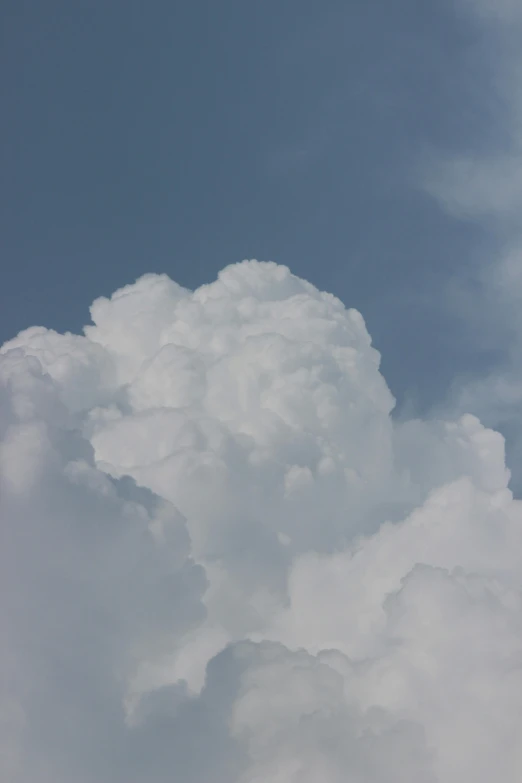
186,136
260,392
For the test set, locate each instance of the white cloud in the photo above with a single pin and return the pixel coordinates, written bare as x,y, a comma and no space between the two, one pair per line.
300,589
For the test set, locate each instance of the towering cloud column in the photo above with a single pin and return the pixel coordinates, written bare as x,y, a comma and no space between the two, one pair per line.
223,560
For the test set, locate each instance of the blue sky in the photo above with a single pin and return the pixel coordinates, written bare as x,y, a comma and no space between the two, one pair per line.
181,137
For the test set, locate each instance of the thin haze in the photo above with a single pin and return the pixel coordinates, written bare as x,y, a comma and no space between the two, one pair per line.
228,555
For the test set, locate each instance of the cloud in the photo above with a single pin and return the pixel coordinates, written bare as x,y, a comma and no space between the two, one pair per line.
223,560
483,185
502,10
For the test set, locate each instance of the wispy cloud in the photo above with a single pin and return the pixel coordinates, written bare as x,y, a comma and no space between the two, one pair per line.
484,185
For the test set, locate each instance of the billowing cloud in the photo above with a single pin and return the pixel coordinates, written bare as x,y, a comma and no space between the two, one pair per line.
223,561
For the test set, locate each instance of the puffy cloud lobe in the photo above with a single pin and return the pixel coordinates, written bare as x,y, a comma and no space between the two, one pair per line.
96,575
224,560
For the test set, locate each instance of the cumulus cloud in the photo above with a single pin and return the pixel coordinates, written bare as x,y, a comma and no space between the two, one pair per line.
223,561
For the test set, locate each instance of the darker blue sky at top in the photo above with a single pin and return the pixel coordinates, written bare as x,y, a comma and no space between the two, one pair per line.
179,137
